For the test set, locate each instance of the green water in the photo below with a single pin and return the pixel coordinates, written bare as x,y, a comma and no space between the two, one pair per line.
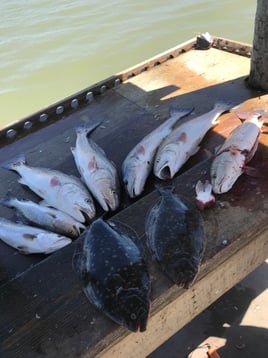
51,49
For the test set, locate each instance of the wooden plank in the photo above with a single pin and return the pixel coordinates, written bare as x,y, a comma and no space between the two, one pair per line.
43,310
167,321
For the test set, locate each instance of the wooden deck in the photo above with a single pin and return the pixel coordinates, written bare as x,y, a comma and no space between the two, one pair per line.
43,311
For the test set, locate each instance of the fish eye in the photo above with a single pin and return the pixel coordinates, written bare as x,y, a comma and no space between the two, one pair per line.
133,316
87,200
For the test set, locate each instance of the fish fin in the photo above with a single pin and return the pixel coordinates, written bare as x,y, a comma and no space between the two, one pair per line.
204,197
79,259
87,128
225,106
244,115
6,201
45,203
180,112
252,172
23,250
14,162
125,230
22,181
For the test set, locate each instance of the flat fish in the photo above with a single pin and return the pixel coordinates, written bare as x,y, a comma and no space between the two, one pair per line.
175,236
59,190
139,162
113,273
29,239
46,217
97,171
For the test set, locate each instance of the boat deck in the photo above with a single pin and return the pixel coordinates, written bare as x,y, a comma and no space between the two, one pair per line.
42,307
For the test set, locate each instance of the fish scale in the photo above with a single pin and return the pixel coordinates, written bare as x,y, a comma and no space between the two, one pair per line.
175,236
113,273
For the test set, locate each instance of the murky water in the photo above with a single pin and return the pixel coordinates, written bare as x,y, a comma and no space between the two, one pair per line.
51,49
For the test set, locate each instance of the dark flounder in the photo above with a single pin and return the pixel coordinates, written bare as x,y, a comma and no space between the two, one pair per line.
175,236
113,273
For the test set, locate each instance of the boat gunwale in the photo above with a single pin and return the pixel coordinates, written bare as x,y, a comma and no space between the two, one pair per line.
76,101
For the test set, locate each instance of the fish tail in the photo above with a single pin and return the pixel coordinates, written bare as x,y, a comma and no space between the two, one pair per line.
225,106
180,112
7,200
15,162
88,128
165,189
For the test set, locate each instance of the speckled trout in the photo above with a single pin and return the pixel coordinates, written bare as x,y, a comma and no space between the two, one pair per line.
184,140
237,150
29,239
59,190
139,162
97,171
46,217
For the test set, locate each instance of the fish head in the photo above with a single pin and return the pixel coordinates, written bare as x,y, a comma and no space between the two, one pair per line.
135,176
133,307
166,163
183,271
225,171
84,208
107,194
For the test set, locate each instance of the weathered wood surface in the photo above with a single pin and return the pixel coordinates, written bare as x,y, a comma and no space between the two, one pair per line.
42,308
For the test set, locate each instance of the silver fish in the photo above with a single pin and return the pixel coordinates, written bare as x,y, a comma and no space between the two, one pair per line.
139,162
97,171
237,150
30,240
183,141
59,190
46,217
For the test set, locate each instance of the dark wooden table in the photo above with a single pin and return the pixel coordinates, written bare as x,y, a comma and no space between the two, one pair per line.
43,311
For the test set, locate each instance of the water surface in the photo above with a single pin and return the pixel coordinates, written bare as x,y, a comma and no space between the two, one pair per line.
52,49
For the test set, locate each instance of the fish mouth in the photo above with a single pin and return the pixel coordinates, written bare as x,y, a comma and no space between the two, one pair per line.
164,172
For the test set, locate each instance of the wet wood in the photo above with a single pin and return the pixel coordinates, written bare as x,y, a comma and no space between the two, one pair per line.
42,308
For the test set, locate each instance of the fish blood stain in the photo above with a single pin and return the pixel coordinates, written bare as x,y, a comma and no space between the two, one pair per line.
54,181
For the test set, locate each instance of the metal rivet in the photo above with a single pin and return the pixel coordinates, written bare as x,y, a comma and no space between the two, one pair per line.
130,75
11,133
103,89
89,96
169,57
43,117
157,63
117,82
144,69
74,103
59,110
27,125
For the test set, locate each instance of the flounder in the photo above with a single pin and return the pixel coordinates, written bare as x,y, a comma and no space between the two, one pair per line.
113,273
175,236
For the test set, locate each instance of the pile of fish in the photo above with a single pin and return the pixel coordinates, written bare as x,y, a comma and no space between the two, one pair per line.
109,258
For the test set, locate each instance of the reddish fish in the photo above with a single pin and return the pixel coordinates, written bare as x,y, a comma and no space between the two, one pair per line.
237,150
